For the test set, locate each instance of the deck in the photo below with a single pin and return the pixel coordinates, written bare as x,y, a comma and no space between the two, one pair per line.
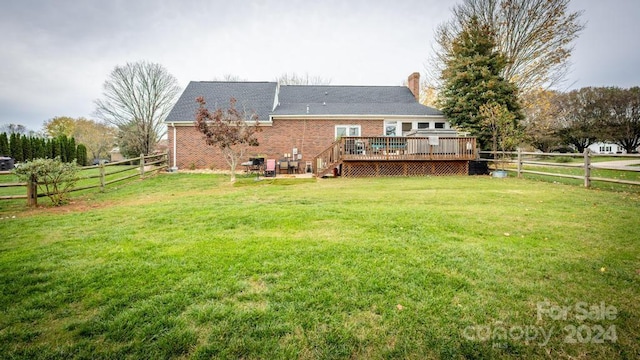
397,156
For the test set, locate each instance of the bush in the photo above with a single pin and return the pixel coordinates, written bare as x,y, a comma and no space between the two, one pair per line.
563,159
55,178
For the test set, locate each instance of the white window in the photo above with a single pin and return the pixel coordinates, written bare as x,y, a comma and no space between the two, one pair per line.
439,125
347,130
423,125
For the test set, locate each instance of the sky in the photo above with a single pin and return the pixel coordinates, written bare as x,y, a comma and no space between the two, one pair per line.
56,55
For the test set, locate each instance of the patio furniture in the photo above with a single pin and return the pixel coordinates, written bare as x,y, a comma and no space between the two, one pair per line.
270,169
293,167
284,166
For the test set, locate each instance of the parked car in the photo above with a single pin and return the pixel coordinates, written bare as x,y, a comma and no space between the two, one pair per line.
100,161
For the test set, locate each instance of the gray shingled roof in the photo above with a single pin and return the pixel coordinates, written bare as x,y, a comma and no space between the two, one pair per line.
294,99
349,100
255,97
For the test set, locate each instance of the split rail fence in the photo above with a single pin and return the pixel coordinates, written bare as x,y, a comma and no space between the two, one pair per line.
126,169
522,162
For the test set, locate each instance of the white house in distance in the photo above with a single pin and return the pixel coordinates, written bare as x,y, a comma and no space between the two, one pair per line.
606,148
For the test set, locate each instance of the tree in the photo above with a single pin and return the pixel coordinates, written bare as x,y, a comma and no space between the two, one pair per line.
472,79
99,138
4,145
295,79
27,154
501,123
229,78
15,147
581,119
60,125
535,36
14,129
136,98
231,130
540,114
81,153
621,109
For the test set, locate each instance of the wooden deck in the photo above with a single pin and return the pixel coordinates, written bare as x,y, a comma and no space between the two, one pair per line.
397,156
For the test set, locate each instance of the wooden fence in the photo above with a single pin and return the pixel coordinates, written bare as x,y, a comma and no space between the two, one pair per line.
129,168
522,162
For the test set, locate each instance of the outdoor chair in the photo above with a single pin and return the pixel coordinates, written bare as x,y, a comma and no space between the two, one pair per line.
284,166
293,167
270,169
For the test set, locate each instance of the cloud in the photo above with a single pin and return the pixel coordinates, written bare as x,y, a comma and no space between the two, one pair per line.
57,54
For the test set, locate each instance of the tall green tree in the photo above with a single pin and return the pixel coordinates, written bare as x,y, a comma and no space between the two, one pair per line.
81,153
4,145
15,147
472,79
71,149
27,154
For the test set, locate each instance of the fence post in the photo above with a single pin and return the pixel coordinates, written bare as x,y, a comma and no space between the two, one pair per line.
141,166
103,181
587,168
32,191
519,162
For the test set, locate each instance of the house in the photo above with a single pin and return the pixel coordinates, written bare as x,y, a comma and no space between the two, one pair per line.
606,148
370,124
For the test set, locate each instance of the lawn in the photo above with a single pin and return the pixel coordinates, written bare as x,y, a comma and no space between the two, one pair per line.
188,266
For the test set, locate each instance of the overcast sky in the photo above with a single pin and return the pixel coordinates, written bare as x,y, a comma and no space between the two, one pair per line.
55,55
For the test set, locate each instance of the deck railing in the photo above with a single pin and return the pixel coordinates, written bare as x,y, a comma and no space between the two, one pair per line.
395,148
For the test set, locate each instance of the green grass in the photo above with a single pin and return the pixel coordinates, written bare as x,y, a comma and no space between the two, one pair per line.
188,266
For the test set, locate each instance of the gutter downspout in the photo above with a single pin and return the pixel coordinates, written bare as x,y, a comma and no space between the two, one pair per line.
174,168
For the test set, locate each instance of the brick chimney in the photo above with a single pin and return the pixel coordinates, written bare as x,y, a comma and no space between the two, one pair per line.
413,83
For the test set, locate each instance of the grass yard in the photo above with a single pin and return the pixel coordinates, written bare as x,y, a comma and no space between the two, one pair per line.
188,266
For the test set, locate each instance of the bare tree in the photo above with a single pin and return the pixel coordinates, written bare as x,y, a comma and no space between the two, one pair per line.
14,129
136,99
229,78
295,79
535,36
231,130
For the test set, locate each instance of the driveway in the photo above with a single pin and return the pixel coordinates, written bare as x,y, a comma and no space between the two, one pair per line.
618,164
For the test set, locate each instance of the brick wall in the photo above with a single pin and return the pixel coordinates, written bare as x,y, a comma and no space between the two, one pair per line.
309,136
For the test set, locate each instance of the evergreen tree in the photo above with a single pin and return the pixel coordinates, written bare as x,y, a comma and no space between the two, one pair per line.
55,148
81,154
27,154
71,149
48,149
37,147
63,143
472,79
15,146
4,145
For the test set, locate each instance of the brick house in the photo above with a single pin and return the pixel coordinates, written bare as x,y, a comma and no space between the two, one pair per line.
302,121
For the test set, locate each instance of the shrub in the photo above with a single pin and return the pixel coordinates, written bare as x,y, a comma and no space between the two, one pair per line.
55,178
563,159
